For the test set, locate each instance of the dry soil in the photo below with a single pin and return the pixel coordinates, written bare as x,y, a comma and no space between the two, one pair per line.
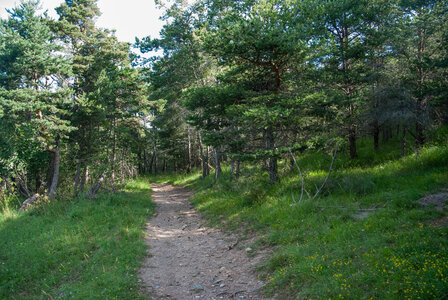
188,260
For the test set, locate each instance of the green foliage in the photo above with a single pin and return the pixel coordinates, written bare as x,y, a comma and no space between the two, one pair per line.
77,249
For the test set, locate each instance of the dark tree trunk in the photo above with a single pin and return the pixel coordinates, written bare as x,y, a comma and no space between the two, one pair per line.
420,136
237,171
153,160
38,181
77,178
403,142
272,165
376,135
145,162
352,142
85,174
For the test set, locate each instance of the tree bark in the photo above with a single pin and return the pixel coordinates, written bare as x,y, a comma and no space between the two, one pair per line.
96,187
403,142
217,156
85,175
207,159
114,152
77,178
189,151
376,135
55,178
237,171
203,158
50,172
270,145
352,142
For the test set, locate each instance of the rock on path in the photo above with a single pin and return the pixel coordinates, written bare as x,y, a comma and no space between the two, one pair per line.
187,260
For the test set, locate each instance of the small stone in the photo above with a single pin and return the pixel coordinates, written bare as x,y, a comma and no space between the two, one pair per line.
197,288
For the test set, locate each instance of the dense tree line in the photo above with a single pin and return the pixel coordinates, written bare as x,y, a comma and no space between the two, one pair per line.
236,81
72,109
251,80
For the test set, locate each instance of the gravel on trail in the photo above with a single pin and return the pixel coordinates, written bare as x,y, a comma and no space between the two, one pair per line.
188,260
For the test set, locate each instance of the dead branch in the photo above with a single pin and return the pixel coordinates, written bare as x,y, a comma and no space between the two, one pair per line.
300,172
329,172
29,202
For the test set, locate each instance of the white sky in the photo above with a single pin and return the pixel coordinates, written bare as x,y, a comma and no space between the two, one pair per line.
130,18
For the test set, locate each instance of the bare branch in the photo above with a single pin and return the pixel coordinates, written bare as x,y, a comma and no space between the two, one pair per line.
300,172
329,172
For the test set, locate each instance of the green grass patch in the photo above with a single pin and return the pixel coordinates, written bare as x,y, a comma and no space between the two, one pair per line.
83,249
365,236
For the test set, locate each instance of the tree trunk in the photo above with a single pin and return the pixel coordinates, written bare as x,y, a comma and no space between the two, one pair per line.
145,162
85,174
155,158
272,165
376,135
54,181
207,159
420,137
50,172
77,178
114,152
403,142
217,156
203,158
96,187
237,171
352,142
189,151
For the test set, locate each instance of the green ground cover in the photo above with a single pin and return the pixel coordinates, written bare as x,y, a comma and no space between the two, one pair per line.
365,236
80,249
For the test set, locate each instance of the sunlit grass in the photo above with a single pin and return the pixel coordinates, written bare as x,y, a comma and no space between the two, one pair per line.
84,249
364,236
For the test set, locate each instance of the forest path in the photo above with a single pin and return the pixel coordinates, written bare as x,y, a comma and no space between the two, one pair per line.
187,260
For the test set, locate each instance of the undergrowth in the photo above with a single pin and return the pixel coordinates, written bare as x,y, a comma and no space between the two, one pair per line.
80,249
365,236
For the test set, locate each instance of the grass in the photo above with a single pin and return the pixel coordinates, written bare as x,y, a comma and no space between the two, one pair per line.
364,237
80,249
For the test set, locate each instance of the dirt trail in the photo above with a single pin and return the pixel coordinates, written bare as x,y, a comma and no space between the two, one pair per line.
188,260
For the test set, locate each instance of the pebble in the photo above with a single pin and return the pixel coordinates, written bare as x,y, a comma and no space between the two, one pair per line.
196,288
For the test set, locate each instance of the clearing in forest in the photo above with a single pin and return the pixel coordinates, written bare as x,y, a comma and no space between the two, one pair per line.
188,260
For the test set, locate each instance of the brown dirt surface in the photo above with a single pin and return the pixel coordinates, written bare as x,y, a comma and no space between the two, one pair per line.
188,260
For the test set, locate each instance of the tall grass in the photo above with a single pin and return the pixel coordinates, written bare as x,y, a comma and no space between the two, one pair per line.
365,236
81,249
